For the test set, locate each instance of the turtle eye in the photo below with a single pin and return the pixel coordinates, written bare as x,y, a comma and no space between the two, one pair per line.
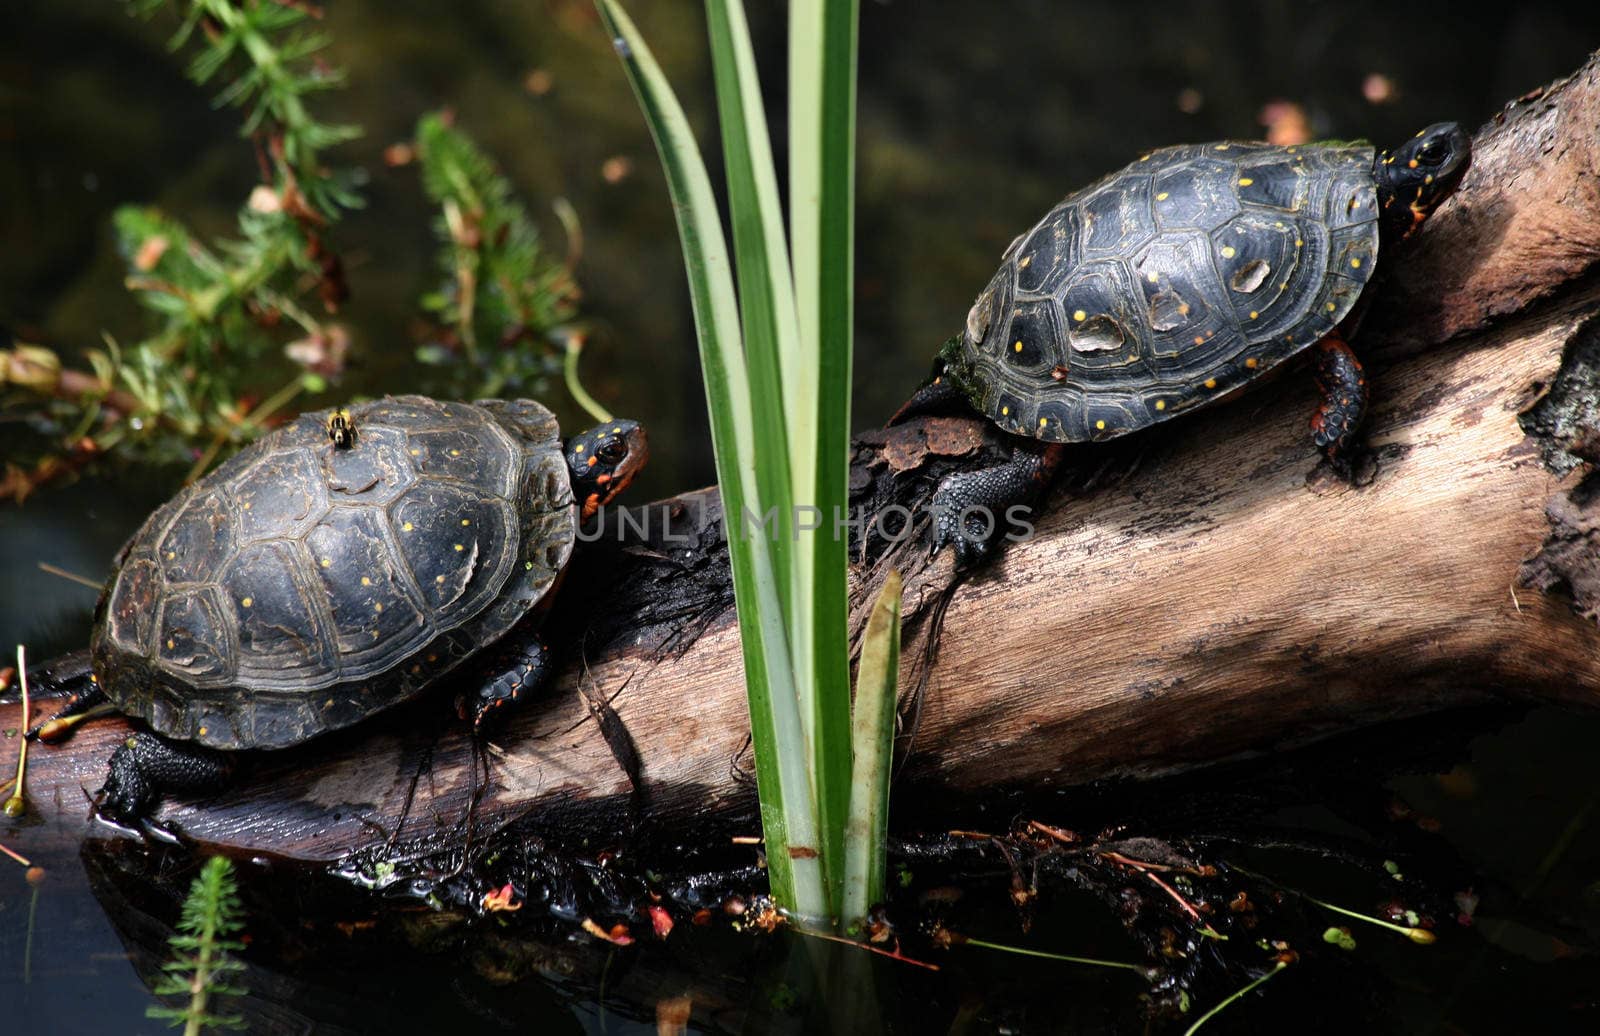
612,450
1432,152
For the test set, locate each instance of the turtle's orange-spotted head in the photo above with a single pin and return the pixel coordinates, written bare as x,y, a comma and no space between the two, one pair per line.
603,460
1416,177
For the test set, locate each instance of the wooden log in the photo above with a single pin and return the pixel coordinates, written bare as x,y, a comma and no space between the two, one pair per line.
1202,592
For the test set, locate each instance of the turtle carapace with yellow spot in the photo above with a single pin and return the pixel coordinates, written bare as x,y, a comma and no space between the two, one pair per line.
1170,283
306,584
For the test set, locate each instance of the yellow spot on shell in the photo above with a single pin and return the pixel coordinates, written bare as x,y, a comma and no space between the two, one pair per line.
1221,147
247,505
1018,346
1162,196
1211,383
466,521
1227,252
1251,363
1356,263
204,731
415,452
1245,181
1144,158
1023,263
171,555
1043,421
1155,278
366,581
171,643
1331,307
438,579
1005,411
377,606
248,601
459,547
1161,404
578,448
326,562
455,453
407,527
1254,314
1299,243
1079,315
1100,426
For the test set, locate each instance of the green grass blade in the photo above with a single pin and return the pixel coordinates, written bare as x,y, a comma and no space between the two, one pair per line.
872,744
822,88
787,810
766,290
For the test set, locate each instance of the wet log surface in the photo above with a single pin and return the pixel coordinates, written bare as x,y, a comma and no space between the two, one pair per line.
1198,593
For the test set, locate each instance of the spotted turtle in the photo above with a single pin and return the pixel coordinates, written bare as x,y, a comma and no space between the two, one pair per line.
315,579
1166,286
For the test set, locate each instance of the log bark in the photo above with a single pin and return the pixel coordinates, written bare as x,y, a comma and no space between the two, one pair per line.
1199,593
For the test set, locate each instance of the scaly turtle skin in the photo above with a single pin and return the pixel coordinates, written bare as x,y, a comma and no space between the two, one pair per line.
1174,282
316,579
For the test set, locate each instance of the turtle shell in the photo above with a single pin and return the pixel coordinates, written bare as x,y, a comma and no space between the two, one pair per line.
1167,284
301,587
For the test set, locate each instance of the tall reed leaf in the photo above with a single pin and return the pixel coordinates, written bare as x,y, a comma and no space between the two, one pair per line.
822,104
788,809
766,290
872,742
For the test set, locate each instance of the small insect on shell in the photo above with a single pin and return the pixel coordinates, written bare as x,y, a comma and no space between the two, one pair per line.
341,429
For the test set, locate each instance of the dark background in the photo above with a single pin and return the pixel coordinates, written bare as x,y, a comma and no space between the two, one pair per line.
974,119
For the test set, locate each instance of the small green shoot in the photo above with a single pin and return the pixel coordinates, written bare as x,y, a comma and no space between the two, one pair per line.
1279,966
1417,934
202,949
1021,951
17,804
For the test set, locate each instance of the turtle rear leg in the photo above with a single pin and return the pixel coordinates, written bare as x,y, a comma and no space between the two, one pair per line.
1343,385
73,674
934,396
146,766
971,508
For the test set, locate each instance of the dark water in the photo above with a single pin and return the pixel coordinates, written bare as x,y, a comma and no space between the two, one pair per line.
974,118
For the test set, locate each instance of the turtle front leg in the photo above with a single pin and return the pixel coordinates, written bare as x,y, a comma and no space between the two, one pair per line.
145,767
971,509
1343,385
512,677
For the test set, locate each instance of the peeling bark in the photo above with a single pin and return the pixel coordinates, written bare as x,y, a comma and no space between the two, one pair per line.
1199,592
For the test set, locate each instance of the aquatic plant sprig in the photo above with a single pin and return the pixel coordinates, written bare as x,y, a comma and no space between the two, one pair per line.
505,301
274,54
221,310
202,949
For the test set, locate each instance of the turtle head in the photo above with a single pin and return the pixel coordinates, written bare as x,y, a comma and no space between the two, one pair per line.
1417,176
603,460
